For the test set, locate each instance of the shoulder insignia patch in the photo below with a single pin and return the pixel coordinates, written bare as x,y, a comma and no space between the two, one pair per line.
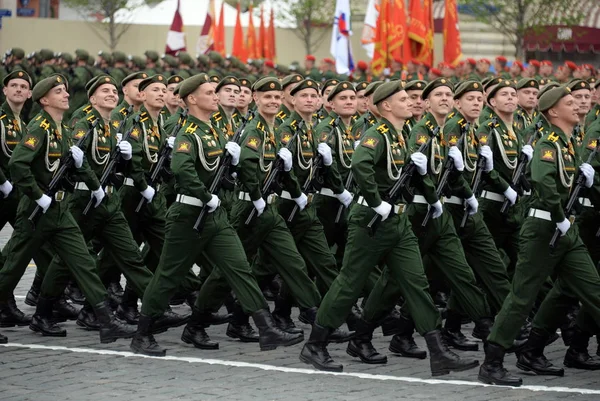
549,155
45,124
191,128
483,139
184,147
453,139
553,137
369,142
135,133
592,143
253,143
260,126
421,139
79,134
286,138
382,129
115,123
123,111
332,121
31,142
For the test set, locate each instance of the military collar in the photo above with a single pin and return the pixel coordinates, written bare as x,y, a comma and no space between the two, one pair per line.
284,112
386,127
556,134
262,125
205,125
332,116
123,108
429,122
5,110
294,119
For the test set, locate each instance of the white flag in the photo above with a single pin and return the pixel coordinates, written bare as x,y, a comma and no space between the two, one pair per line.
368,35
341,49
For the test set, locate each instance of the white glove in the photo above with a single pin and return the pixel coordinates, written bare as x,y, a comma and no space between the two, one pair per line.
588,171
259,205
44,202
99,195
528,150
125,149
345,198
286,156
486,152
77,156
563,226
119,137
213,203
420,160
356,143
511,195
383,210
457,158
148,194
301,201
325,151
234,150
472,205
437,209
171,141
6,188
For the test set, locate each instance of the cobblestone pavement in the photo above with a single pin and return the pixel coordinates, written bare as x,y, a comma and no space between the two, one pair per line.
78,367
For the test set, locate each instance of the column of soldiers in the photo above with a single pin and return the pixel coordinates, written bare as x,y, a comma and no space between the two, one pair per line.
389,191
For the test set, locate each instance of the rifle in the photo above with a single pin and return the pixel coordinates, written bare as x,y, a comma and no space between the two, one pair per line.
448,168
317,163
163,156
518,176
275,169
395,193
115,156
350,177
223,168
477,178
575,195
65,165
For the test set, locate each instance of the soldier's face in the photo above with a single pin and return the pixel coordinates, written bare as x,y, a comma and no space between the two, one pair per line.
528,98
204,98
546,69
505,100
17,91
132,92
470,105
268,103
515,69
244,98
326,95
566,110
344,103
362,104
172,100
287,95
595,96
57,98
400,105
583,98
154,95
105,97
440,100
228,95
418,106
306,100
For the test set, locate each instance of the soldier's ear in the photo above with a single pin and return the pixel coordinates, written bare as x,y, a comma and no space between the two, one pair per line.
493,103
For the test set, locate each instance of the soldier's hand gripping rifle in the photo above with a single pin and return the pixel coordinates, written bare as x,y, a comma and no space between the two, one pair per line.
574,195
518,180
400,186
113,160
448,169
163,156
65,165
317,165
275,170
215,185
477,179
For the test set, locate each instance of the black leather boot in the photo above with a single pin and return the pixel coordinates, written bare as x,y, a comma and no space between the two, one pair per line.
270,335
531,358
74,294
194,332
168,320
361,346
441,359
128,309
240,326
492,370
282,314
42,321
3,339
404,343
191,298
87,318
143,341
482,328
115,293
110,328
315,351
393,323
339,335
577,356
34,291
63,310
453,336
11,315
353,317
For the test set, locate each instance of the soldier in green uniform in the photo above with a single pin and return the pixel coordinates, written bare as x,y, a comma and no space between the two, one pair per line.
245,97
415,92
152,63
594,113
119,70
377,164
172,102
131,96
195,162
527,91
581,92
362,102
81,75
288,83
553,167
487,113
312,71
83,111
370,117
47,58
325,108
32,165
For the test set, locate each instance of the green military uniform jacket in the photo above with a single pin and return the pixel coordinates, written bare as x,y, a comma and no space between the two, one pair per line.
341,142
226,126
81,76
453,128
591,141
319,116
407,128
593,115
120,112
486,113
532,129
362,124
284,114
523,119
80,113
12,130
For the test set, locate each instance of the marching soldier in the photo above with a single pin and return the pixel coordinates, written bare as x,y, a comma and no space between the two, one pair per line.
370,117
131,96
526,113
172,101
414,89
245,97
594,113
362,102
288,83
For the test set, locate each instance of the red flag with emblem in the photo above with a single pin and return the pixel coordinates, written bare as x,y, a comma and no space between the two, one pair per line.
175,36
381,54
239,50
251,47
398,39
426,55
206,39
417,31
452,45
220,32
273,55
262,37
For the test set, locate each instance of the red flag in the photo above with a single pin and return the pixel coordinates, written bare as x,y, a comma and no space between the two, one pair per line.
452,45
251,37
381,54
206,40
220,32
239,50
426,55
417,30
262,37
397,37
272,37
175,36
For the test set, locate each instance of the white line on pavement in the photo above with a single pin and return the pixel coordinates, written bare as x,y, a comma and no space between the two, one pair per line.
260,366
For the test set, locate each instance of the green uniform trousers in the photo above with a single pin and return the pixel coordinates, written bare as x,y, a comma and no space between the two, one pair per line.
394,246
182,247
439,241
107,225
571,263
336,234
59,229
